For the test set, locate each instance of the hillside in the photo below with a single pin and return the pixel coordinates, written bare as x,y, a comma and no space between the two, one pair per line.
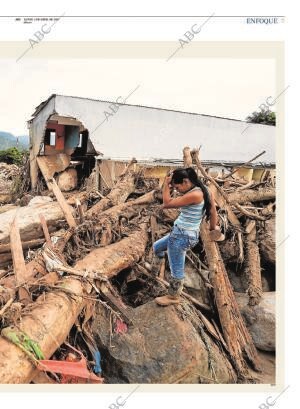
8,140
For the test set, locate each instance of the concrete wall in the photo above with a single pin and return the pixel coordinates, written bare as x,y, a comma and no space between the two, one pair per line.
147,133
153,133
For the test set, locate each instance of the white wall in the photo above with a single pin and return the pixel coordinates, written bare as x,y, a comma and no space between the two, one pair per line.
147,133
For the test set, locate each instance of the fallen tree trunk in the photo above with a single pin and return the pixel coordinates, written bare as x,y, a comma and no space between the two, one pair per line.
29,221
31,244
251,195
126,209
124,186
237,337
52,316
18,261
239,342
117,256
48,324
267,241
108,220
253,269
99,230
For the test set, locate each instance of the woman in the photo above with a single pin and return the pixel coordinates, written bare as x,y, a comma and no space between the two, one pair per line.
195,202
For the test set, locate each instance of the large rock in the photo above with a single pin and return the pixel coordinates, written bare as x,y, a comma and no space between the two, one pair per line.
67,180
194,283
161,347
260,320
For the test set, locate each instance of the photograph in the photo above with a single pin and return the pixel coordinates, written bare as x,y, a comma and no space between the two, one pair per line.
138,211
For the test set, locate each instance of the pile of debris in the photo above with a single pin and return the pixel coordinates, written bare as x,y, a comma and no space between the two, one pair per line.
8,174
80,307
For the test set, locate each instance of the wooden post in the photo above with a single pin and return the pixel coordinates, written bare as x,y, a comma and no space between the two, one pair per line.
45,230
236,334
187,159
62,202
253,269
17,253
18,260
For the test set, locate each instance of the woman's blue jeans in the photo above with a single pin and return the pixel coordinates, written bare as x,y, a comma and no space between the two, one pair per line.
176,243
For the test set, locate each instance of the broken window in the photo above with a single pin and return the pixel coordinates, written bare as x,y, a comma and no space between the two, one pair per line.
52,138
80,141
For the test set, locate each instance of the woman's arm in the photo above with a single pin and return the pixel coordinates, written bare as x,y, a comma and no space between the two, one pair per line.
166,191
186,199
213,213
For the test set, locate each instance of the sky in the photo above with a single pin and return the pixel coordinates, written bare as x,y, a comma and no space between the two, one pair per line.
231,88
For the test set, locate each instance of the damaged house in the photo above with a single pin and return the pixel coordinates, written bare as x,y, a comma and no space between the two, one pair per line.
69,135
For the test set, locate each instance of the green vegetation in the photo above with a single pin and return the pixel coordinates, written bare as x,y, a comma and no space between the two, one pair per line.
264,116
13,156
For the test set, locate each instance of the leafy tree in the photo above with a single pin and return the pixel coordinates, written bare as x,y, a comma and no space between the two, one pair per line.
264,116
12,156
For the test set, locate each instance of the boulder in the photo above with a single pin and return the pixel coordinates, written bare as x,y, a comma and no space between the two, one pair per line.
260,320
67,180
194,284
162,346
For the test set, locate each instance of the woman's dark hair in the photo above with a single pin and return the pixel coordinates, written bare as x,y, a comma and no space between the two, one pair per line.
189,173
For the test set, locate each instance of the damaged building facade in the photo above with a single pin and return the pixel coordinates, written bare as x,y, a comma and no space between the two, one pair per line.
70,135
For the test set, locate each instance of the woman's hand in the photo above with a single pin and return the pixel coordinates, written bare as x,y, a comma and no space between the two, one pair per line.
168,179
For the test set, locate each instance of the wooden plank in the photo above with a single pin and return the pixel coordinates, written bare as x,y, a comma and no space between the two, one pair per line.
45,229
17,254
236,334
153,224
253,268
18,262
62,202
52,185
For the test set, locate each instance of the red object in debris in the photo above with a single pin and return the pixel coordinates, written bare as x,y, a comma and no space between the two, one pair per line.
72,371
121,327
